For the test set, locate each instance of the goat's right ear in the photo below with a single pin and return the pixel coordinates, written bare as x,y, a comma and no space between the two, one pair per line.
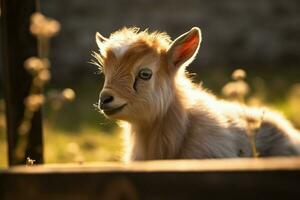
184,48
100,39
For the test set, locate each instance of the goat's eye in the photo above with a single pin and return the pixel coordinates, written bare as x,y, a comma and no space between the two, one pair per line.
145,74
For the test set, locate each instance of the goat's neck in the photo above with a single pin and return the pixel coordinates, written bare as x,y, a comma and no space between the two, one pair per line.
162,138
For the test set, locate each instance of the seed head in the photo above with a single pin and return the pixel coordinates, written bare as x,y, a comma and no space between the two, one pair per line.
68,94
33,102
239,74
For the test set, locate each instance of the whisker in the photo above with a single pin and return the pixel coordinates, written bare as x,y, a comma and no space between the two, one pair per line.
96,107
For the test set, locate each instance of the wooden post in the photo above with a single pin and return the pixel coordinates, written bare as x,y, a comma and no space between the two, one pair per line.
18,45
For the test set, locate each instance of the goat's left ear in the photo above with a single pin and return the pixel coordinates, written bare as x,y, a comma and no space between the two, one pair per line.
183,49
100,39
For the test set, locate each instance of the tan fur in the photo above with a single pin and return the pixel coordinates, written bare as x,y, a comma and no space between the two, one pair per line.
169,117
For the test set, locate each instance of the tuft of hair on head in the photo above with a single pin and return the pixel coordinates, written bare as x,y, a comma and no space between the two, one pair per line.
160,41
183,49
157,38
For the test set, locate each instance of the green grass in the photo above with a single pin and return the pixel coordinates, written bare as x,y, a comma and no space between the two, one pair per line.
3,151
87,144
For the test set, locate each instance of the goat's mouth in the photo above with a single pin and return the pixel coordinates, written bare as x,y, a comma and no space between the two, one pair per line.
112,111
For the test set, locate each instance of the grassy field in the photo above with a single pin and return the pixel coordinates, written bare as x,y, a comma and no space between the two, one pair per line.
3,149
86,145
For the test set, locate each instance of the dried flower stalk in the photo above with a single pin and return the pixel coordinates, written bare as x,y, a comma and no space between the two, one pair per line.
237,89
253,126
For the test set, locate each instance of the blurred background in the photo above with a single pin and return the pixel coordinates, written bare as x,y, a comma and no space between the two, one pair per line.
258,36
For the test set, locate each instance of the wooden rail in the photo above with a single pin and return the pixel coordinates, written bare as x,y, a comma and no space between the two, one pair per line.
276,178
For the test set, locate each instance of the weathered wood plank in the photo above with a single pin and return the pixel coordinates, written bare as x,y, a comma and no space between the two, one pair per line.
239,164
205,179
18,45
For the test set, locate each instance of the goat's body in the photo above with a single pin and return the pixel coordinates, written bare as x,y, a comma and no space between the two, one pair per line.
212,128
171,118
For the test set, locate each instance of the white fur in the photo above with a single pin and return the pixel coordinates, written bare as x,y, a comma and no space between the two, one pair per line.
118,45
120,48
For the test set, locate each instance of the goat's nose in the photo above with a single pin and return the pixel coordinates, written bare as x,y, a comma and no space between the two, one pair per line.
105,98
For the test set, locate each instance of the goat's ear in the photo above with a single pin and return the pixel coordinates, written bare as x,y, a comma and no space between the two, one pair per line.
100,39
183,49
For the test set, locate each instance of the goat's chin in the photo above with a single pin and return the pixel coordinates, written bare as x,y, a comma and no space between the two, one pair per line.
122,115
117,117
131,116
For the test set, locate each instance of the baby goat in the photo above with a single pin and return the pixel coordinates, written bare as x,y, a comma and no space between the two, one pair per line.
169,117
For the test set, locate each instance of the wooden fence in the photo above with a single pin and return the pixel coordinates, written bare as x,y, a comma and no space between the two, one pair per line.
247,179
